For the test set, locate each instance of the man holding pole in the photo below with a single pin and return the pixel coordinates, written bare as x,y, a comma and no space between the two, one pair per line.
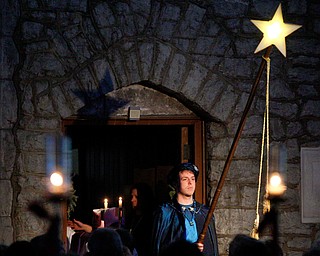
183,218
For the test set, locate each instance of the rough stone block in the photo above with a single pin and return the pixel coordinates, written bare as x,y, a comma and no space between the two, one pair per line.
8,103
290,223
6,201
248,195
8,60
311,108
234,221
163,53
209,92
230,195
313,127
192,21
6,231
61,103
288,110
195,78
34,162
32,140
7,154
146,52
119,69
176,72
224,105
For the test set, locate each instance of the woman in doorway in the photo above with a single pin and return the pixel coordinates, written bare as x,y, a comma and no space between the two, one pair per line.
138,219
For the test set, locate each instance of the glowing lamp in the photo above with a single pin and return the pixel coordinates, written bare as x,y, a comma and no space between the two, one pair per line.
274,32
57,184
276,186
58,165
56,179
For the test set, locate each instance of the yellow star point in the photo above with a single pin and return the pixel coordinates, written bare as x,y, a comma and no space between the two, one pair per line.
274,32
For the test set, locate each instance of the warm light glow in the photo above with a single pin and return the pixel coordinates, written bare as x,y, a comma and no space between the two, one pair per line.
57,183
105,203
274,32
120,202
276,186
275,181
56,179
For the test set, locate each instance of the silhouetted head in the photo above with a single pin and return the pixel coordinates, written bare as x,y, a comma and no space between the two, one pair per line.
105,241
20,248
181,248
243,245
126,238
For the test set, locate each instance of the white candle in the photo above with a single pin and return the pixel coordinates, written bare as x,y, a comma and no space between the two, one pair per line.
120,202
105,203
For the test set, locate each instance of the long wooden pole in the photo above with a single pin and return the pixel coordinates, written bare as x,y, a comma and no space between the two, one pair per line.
234,146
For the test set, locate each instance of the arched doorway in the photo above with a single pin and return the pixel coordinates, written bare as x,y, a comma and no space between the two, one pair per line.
115,152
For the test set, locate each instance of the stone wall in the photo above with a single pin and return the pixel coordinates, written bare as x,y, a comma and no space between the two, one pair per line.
59,57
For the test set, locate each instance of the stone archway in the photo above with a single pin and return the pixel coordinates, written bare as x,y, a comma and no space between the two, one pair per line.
151,103
156,108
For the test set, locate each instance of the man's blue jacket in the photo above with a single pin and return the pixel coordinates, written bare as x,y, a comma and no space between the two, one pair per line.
169,226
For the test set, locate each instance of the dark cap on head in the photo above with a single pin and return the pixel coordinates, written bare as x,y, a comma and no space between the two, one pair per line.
173,176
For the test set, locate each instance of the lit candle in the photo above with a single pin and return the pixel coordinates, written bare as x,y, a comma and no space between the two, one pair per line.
105,203
57,184
276,186
120,202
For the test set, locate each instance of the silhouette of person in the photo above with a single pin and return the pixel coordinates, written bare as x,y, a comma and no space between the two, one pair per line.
138,219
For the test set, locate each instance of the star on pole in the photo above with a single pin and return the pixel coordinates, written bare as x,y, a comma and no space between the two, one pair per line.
274,32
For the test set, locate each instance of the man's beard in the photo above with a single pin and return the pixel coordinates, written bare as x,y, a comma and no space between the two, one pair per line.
186,194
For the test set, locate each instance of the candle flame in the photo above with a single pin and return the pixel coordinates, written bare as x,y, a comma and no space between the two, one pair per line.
275,180
56,179
276,186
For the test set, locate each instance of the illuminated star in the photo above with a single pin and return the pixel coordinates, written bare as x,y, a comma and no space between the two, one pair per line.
274,32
